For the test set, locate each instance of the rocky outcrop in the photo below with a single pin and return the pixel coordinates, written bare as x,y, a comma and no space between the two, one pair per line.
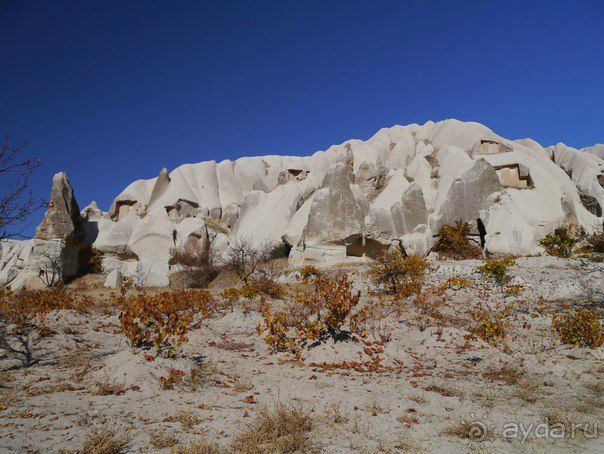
335,213
473,191
55,251
398,187
62,218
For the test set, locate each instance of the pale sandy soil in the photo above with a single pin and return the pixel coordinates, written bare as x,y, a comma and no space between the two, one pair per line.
427,383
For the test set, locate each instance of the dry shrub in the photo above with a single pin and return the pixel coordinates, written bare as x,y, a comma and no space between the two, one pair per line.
309,271
186,418
497,269
469,431
596,242
104,441
333,413
428,303
561,242
266,286
104,388
455,283
582,328
489,326
197,267
284,430
163,320
453,242
371,319
320,315
507,374
200,377
245,258
201,447
403,276
252,289
175,376
193,277
162,439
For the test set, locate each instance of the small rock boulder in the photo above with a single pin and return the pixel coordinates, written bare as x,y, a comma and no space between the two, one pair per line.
115,279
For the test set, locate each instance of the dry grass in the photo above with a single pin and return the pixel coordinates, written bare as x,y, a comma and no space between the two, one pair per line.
334,414
507,374
186,418
242,384
285,429
104,388
376,409
200,377
444,391
162,439
469,431
420,399
201,447
105,441
529,389
77,360
50,389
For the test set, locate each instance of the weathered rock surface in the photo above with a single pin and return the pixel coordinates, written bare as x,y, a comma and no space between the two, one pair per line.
474,190
114,279
62,217
398,187
335,213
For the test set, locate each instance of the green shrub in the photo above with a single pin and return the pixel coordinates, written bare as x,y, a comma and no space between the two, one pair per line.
497,269
560,243
281,251
582,328
488,326
453,242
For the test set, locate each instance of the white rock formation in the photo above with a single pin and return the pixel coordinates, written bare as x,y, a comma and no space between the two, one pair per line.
398,187
114,279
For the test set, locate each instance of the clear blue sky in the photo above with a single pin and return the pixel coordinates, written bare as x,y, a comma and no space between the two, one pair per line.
112,91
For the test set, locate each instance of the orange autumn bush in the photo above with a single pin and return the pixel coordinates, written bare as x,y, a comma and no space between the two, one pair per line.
163,320
402,275
454,242
316,316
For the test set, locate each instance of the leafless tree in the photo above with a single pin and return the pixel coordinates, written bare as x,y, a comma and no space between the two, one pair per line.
244,257
141,274
18,202
196,266
51,268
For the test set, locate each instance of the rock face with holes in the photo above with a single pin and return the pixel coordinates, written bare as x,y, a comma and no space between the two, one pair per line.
395,189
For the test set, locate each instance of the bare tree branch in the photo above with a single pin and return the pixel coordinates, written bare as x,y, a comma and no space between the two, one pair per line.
51,268
18,202
245,258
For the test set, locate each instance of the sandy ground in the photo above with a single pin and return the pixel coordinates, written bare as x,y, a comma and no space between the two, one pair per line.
430,388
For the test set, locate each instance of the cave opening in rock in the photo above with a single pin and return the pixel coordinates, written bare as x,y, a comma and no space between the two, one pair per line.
360,246
123,208
481,231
